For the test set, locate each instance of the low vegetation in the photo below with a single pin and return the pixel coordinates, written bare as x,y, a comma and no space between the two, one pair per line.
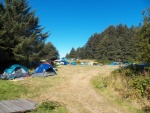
131,84
50,107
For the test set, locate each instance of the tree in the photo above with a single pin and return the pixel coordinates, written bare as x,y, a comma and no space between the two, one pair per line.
3,41
143,40
22,37
49,52
72,53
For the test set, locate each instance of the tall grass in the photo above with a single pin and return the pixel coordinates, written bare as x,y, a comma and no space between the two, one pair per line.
125,88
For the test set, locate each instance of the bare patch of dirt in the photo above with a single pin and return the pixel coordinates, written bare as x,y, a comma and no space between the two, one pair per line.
77,92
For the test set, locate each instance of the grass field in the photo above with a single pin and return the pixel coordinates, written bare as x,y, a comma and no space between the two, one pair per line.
72,87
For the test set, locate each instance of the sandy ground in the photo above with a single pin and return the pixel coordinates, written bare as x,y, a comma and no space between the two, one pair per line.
78,93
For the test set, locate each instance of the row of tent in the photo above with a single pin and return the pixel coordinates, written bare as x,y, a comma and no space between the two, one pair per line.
17,71
63,62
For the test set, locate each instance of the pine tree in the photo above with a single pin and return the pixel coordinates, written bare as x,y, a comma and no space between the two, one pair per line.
3,41
49,52
72,53
23,37
143,35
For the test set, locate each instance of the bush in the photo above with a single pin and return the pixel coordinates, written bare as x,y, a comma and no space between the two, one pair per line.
131,83
49,107
142,85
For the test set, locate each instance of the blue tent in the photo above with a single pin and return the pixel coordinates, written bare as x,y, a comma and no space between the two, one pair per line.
44,70
73,63
14,71
114,63
63,62
13,67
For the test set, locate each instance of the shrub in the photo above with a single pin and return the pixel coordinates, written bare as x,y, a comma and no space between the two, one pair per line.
142,85
49,107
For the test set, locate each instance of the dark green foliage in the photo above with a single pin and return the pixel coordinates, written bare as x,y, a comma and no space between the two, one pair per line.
21,37
131,85
72,53
139,77
143,40
114,44
49,52
10,90
142,85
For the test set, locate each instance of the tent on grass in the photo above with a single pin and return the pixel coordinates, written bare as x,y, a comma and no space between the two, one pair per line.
14,71
73,63
63,62
44,70
115,63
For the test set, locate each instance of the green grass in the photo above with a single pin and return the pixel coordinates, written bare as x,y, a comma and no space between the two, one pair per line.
31,88
11,90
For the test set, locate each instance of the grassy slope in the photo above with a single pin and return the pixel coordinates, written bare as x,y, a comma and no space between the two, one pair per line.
102,88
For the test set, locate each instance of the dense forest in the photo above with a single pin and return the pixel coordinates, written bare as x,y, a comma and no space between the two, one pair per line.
118,43
21,37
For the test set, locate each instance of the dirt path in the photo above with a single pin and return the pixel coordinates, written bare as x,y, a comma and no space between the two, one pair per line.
77,92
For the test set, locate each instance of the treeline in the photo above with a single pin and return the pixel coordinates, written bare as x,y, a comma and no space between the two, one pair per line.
118,43
21,37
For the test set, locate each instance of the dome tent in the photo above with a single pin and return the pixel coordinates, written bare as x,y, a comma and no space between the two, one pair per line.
44,70
14,71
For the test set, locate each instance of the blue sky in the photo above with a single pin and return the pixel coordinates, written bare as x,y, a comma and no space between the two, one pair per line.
72,22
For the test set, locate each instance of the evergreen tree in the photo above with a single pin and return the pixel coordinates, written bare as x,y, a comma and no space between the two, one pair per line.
23,37
115,44
72,53
144,38
49,52
67,55
3,40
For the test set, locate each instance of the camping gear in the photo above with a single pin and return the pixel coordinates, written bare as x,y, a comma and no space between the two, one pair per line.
73,63
44,70
83,63
14,71
63,62
115,63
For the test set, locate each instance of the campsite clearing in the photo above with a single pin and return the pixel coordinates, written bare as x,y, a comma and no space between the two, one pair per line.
72,86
